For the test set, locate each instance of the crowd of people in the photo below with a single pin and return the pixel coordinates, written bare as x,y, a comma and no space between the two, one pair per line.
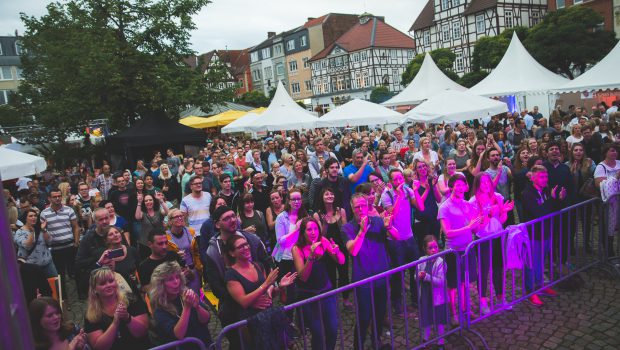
253,221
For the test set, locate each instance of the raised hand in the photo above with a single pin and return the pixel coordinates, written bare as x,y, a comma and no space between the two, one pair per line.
140,198
288,279
364,224
563,193
334,247
121,312
554,192
272,277
508,206
387,221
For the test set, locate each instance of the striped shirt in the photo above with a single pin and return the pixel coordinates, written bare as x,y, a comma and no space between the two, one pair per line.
104,184
59,226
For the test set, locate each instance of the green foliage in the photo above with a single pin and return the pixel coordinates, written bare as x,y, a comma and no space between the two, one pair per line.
568,40
253,98
380,94
113,59
444,58
472,78
301,104
522,33
11,116
488,51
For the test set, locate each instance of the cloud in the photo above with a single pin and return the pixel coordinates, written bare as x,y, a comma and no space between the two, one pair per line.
238,24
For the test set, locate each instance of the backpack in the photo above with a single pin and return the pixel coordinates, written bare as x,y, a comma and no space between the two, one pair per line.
517,245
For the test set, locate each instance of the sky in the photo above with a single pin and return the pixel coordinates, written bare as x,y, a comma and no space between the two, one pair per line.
239,24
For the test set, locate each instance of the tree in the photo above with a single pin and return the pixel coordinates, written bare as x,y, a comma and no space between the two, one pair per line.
569,40
380,94
488,51
253,98
11,116
444,58
112,59
472,78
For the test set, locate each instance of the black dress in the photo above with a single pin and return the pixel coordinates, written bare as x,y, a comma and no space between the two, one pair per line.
338,274
248,287
124,339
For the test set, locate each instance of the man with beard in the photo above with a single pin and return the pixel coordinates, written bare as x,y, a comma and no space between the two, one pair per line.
336,183
357,172
122,199
593,143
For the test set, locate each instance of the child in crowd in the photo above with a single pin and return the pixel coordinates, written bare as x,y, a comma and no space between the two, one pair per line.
433,291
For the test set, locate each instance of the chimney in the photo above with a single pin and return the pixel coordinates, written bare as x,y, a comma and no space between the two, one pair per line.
16,34
271,34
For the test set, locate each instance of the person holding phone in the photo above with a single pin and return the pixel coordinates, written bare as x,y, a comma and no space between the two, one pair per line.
119,257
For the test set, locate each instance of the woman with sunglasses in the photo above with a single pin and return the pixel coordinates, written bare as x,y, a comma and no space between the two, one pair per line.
182,240
114,319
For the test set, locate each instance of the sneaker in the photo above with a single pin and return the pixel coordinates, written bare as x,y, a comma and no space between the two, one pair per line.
549,292
535,300
484,307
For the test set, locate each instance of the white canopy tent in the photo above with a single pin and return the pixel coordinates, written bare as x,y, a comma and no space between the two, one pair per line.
428,82
518,73
16,164
359,112
241,124
599,77
454,106
283,114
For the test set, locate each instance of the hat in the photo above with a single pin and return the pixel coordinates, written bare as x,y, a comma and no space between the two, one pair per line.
217,213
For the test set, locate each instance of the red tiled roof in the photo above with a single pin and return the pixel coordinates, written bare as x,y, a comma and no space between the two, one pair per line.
374,33
479,5
315,21
425,18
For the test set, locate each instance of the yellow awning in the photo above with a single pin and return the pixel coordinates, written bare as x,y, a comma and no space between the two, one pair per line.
194,122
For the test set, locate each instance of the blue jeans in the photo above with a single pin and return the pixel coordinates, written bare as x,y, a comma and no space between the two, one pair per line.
365,311
323,332
401,253
534,276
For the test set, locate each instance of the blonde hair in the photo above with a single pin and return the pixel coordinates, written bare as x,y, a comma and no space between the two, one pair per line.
157,288
161,173
94,308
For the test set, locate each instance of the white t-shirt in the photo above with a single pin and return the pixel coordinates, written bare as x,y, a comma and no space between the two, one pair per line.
197,209
434,156
22,183
603,170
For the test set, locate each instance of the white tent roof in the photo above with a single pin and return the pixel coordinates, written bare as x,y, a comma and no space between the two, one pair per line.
16,164
454,106
518,73
359,112
429,81
283,114
599,77
241,124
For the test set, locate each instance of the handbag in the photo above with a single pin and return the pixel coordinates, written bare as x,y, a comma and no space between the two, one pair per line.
589,190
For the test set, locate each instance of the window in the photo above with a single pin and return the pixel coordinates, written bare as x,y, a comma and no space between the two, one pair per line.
268,73
256,75
480,25
18,48
355,57
280,69
308,85
363,56
365,78
6,73
456,30
339,61
458,62
277,50
292,66
456,3
306,64
303,41
536,17
290,45
426,38
560,4
326,84
266,52
339,83
19,73
4,96
508,19
254,56
295,88
409,54
393,54
445,32
396,77
324,64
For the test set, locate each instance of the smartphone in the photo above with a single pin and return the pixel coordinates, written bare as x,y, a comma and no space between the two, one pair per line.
116,253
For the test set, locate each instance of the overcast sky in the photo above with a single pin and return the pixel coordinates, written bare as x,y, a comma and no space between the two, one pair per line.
238,24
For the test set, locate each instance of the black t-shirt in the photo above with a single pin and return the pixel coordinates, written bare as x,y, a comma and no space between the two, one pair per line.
146,268
124,339
122,201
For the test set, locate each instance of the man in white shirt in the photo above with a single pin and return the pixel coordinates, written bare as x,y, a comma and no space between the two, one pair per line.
195,205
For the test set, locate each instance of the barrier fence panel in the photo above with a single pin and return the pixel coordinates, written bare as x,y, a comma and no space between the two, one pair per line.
611,225
372,311
180,344
526,259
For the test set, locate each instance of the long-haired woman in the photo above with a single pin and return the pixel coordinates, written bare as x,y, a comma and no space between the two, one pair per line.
310,254
582,168
331,219
520,178
177,310
49,329
114,320
426,222
168,184
494,211
150,213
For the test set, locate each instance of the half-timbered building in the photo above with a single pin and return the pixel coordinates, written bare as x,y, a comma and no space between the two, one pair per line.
370,54
458,24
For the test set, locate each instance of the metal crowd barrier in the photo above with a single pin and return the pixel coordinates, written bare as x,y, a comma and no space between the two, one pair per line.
611,226
177,344
410,336
562,251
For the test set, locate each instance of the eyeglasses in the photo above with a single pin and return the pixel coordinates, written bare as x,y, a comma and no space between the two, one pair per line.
295,199
229,218
243,246
178,217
